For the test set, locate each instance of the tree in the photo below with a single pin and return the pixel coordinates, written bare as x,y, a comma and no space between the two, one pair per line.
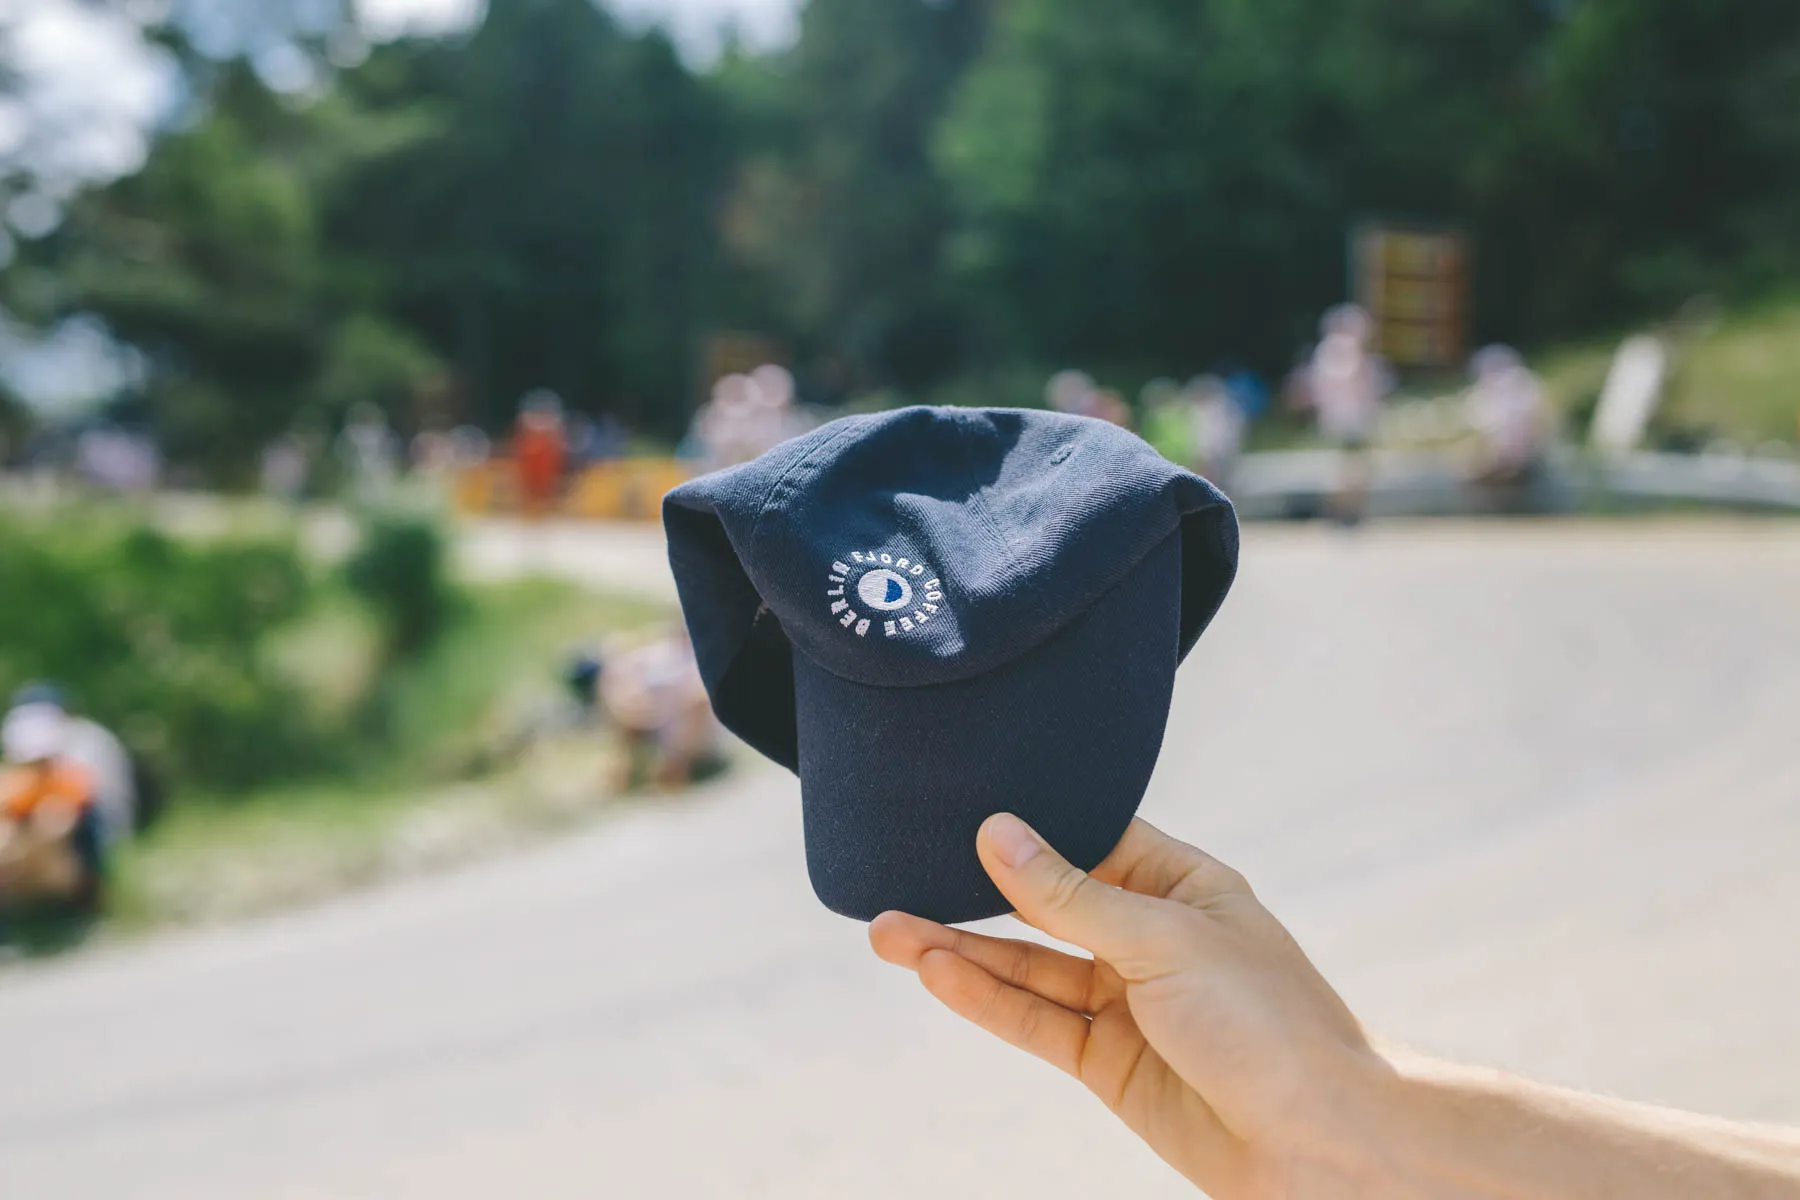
532,204
1656,156
1169,182
210,260
557,229
838,204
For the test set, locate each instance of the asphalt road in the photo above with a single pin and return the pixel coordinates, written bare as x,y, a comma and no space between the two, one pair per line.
1529,793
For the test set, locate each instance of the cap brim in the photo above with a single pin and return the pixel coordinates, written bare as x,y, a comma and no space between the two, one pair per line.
895,782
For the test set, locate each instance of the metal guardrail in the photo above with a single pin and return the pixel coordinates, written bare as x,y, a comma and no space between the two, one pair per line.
1739,482
1296,484
1274,485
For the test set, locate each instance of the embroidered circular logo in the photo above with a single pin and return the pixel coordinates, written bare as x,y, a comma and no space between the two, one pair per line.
883,584
884,590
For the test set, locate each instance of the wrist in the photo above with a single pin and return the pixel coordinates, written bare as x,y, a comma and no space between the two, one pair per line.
1355,1142
1428,1127
1334,1144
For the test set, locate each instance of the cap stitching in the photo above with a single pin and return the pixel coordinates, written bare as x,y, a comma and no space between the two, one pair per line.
769,497
979,501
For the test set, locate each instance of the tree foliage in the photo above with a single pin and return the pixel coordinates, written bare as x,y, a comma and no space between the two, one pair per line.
213,261
917,188
838,203
557,228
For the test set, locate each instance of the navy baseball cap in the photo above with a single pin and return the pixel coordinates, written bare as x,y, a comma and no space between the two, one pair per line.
936,614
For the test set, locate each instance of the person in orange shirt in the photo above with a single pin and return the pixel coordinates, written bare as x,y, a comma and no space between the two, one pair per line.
50,844
540,450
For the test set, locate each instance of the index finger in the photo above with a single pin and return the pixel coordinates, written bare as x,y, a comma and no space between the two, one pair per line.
1151,863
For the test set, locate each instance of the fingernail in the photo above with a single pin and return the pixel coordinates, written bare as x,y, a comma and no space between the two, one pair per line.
1013,840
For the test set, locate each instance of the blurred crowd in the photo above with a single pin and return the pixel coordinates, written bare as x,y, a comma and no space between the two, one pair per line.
1496,425
369,458
547,447
1342,385
744,416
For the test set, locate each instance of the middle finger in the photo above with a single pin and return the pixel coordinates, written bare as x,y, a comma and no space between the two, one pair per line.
1078,984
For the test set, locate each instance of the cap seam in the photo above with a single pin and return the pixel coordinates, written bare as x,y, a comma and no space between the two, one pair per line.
979,499
768,499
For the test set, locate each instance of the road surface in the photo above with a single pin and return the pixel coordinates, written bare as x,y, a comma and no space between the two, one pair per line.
1529,793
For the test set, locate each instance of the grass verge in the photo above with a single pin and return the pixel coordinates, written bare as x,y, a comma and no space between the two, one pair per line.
1738,379
459,773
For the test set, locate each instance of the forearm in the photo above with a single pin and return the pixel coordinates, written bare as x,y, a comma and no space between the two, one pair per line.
1438,1130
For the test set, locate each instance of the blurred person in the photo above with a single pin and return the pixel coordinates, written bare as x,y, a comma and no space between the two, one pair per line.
596,440
117,460
579,437
1110,406
1160,390
1203,1026
776,385
745,416
1506,408
1076,392
773,416
1169,420
709,426
654,696
52,832
430,452
1071,392
470,446
1296,385
734,434
1249,391
284,469
370,453
608,439
1218,428
124,793
540,451
1345,385
582,675
433,467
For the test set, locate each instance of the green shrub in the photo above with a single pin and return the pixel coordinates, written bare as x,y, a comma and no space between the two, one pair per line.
160,640
400,571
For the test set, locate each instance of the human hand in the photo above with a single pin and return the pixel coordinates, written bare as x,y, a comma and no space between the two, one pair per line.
1199,1022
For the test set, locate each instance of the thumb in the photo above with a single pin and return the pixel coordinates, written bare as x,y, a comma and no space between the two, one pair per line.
1135,934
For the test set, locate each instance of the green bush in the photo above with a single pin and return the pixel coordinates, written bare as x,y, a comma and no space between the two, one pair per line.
160,640
400,572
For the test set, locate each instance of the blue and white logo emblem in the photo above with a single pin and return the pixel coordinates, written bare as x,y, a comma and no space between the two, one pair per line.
901,595
884,590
